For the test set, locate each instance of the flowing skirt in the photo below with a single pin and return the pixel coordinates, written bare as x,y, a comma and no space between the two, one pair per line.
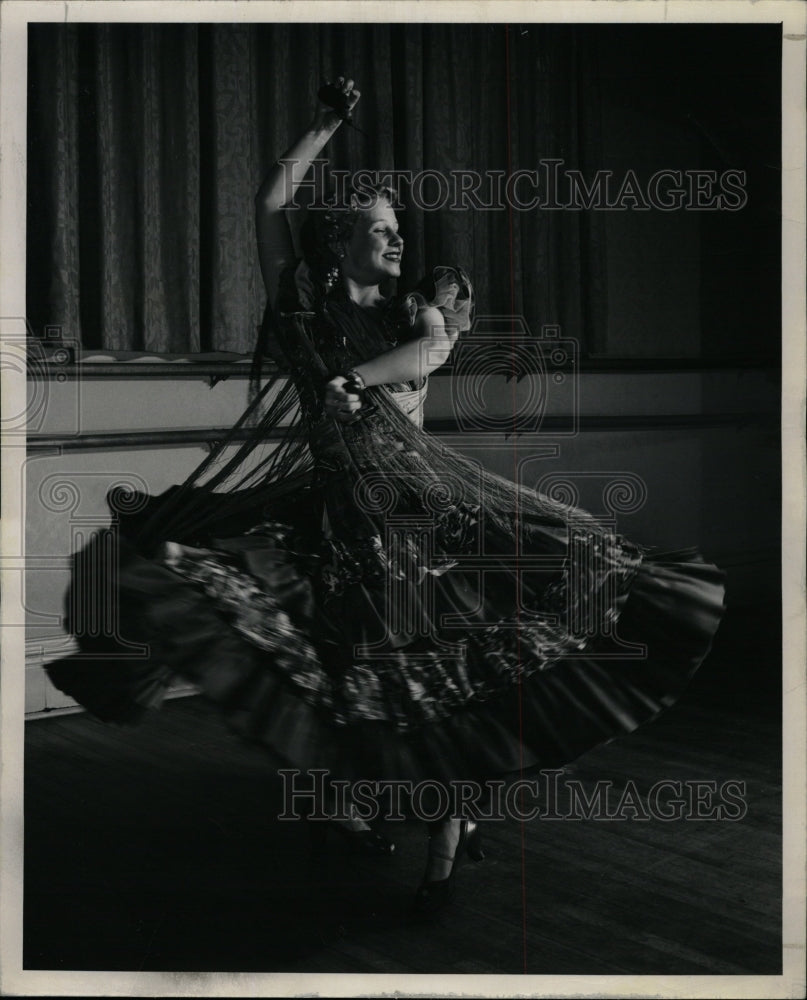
385,638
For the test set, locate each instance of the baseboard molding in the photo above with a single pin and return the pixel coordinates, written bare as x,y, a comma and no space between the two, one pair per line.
185,691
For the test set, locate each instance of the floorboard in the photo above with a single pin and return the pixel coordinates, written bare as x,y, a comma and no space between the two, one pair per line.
158,848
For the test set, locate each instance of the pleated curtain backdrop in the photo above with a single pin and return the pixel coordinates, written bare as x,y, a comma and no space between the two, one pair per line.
147,144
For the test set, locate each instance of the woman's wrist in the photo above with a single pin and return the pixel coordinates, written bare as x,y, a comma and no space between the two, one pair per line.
324,123
354,376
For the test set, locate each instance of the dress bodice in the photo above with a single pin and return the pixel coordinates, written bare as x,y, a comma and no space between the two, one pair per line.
411,402
340,334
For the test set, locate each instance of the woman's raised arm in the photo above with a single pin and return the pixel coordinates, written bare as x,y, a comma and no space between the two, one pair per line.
430,347
275,248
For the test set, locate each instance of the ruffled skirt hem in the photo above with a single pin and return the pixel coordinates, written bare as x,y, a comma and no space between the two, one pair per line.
544,717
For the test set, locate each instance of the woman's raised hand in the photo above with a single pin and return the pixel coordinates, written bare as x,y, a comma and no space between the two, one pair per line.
339,97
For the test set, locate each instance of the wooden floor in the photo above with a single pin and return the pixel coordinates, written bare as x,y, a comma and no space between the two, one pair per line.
159,848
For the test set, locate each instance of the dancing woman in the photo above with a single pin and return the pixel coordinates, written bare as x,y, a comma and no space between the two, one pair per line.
364,599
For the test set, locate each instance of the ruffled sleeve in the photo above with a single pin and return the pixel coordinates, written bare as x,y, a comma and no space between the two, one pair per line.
449,289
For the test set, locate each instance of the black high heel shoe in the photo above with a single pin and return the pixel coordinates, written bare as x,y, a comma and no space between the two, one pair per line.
366,841
434,896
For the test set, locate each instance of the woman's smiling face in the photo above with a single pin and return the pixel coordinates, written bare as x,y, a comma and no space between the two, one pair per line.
375,248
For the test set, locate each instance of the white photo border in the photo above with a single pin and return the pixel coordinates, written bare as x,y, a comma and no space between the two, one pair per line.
15,15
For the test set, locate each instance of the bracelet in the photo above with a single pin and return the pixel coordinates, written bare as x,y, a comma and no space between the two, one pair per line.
355,379
337,101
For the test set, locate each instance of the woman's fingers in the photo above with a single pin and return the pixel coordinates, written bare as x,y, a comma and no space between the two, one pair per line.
346,415
348,87
340,404
348,404
345,86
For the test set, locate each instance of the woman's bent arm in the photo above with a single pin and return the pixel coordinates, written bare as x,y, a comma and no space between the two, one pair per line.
417,357
411,361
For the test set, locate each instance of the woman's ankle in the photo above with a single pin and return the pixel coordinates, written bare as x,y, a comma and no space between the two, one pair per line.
444,840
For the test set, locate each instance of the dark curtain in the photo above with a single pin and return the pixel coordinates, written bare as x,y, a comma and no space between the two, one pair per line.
147,144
